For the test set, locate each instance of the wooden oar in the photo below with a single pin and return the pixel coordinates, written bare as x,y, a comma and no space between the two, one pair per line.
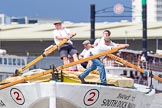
27,78
88,58
45,53
132,66
24,79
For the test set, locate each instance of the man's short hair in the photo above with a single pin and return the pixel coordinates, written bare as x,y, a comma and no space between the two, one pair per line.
86,42
58,21
108,32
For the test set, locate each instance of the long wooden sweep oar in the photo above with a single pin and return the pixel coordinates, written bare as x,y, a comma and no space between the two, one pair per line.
45,53
88,58
24,79
132,66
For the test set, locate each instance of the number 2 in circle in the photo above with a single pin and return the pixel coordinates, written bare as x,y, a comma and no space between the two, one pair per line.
92,96
17,95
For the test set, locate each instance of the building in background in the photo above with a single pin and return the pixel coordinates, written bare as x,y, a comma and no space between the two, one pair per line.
23,20
4,19
154,10
19,20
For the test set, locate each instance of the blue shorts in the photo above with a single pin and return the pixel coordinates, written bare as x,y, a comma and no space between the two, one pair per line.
67,49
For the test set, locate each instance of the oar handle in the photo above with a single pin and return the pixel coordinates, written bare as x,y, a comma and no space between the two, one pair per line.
24,79
157,78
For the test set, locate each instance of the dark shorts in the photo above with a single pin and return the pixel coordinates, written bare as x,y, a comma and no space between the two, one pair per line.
84,64
67,49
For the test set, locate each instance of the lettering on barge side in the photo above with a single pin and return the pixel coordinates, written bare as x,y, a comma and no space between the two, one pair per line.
121,101
2,104
117,103
126,97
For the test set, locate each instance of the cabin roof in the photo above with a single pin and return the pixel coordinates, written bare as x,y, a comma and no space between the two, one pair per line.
119,30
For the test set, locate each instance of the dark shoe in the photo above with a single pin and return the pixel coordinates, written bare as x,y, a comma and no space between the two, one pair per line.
81,79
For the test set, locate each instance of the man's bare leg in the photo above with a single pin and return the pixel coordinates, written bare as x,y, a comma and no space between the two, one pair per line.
75,57
65,61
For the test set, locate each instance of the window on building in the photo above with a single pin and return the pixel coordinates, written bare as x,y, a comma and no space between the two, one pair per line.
159,6
0,60
14,61
10,61
159,12
125,72
5,61
159,0
23,62
0,77
159,18
18,61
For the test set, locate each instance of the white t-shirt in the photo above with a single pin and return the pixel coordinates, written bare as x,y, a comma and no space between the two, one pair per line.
143,59
99,48
62,32
97,41
83,53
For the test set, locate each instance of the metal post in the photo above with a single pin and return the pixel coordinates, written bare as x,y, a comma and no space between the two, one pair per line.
126,36
92,18
144,20
157,43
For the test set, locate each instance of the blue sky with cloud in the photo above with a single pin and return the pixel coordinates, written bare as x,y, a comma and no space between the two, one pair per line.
69,10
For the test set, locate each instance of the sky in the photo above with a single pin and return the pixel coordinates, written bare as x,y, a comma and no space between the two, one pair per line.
66,10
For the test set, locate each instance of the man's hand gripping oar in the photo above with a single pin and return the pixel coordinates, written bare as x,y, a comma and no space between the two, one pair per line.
47,51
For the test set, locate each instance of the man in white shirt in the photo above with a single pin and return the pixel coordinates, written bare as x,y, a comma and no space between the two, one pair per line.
66,49
96,63
87,46
106,33
143,61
